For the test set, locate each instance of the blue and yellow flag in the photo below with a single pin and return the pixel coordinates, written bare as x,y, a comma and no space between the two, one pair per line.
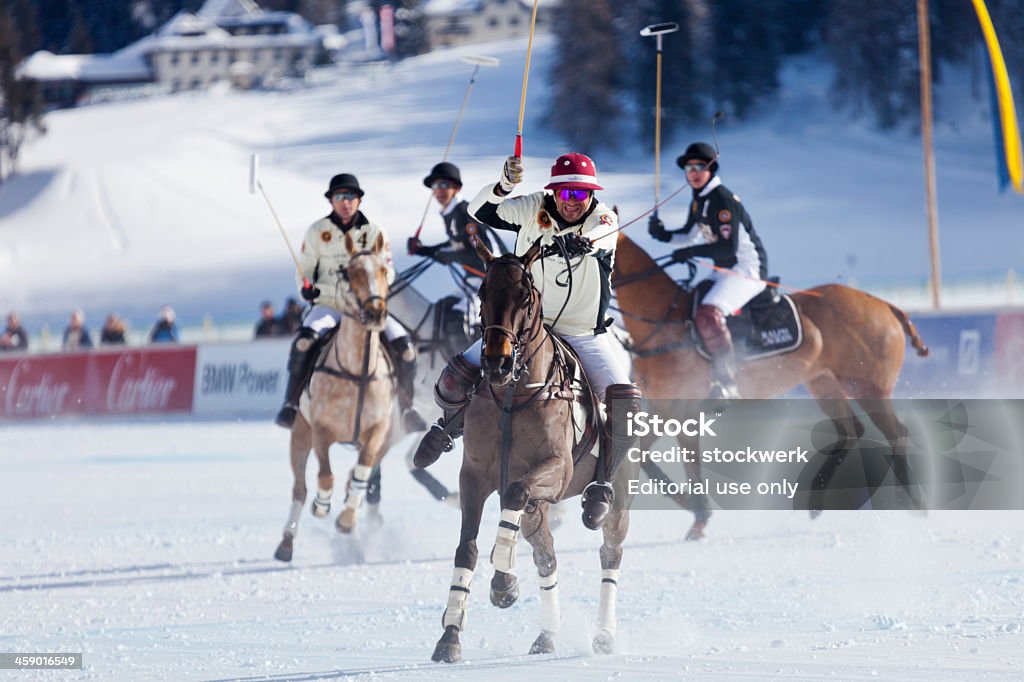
1004,117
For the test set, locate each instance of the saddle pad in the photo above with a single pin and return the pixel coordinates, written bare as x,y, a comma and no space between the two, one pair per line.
766,326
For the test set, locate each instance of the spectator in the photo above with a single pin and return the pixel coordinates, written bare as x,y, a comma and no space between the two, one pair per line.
291,317
14,337
113,332
268,324
76,336
164,331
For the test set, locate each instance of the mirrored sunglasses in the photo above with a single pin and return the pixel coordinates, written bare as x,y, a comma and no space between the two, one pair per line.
695,167
573,194
345,196
443,184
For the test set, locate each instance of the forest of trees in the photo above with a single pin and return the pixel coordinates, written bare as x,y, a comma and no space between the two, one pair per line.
726,56
728,53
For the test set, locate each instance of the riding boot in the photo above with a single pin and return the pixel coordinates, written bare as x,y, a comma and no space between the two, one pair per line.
713,329
300,359
452,393
404,355
622,400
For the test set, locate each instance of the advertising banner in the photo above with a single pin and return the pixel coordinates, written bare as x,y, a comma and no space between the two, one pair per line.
137,381
241,378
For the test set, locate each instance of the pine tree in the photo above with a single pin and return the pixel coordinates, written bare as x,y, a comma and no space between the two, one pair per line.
745,55
584,104
20,107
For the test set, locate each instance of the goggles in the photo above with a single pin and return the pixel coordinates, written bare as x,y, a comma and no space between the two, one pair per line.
573,194
344,196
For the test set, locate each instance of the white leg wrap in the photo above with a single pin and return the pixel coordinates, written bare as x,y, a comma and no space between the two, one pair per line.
550,614
357,486
503,556
324,495
292,527
609,590
458,595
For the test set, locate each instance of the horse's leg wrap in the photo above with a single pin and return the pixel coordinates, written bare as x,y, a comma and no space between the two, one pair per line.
458,595
357,485
452,394
714,330
609,591
550,613
300,361
291,528
324,491
503,556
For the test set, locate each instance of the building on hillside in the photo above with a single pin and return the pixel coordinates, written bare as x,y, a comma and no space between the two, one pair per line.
460,22
226,41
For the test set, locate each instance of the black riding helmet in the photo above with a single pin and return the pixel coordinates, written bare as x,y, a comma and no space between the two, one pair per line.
700,151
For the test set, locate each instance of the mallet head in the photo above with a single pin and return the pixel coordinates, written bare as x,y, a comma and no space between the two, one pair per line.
659,29
253,173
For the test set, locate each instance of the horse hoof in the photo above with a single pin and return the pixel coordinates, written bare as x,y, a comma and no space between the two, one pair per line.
448,648
284,550
604,643
346,521
696,531
814,513
374,519
320,509
544,644
504,595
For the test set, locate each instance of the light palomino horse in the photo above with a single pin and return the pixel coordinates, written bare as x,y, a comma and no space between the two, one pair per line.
523,378
853,348
350,399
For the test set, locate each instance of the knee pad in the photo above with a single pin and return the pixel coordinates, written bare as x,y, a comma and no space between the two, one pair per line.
621,399
713,329
305,342
457,379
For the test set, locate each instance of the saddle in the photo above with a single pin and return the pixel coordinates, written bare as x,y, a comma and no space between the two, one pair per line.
767,325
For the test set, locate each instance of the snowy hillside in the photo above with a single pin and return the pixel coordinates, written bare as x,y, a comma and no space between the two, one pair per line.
126,206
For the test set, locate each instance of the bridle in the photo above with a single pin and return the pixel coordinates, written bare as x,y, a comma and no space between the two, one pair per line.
519,340
362,306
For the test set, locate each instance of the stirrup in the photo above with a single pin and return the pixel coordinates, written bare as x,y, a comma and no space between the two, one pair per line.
597,502
286,416
435,442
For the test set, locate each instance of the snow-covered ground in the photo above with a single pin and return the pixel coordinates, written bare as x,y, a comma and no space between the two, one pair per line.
130,205
147,547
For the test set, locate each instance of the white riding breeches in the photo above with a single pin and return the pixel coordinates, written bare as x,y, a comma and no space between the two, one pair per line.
322,318
731,291
601,362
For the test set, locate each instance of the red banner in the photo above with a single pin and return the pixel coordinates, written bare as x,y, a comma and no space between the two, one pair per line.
138,381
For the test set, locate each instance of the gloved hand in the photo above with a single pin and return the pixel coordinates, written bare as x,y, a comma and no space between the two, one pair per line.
656,229
428,251
682,255
577,244
310,292
511,174
412,244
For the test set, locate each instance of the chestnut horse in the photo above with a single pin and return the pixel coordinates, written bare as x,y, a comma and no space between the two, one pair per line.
349,400
527,398
853,347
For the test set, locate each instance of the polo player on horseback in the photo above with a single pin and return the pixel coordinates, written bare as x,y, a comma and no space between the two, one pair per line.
574,300
725,234
323,260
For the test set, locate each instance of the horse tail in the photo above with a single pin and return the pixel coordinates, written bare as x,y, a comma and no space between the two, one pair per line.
910,330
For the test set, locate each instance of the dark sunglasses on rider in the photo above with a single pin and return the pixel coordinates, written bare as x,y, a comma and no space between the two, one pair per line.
695,167
345,196
443,184
573,194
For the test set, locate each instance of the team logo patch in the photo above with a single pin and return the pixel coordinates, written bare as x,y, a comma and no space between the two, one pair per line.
325,236
544,220
471,228
724,216
606,219
726,230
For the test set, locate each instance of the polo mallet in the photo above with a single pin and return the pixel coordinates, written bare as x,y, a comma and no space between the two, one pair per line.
526,76
254,184
719,115
477,61
658,30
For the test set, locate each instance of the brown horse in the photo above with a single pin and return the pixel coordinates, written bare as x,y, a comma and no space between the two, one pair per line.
350,399
853,348
527,398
